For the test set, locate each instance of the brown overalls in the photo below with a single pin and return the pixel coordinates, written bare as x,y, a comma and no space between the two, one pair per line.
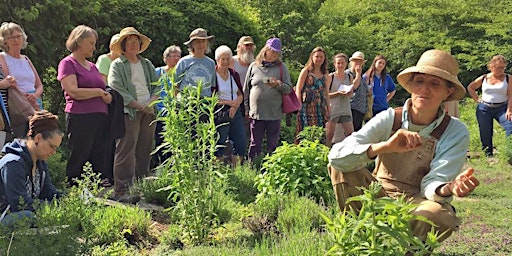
401,173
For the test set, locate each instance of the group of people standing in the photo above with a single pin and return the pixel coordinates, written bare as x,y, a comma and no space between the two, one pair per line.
344,98
110,113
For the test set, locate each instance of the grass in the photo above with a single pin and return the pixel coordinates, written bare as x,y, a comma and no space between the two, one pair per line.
289,225
486,228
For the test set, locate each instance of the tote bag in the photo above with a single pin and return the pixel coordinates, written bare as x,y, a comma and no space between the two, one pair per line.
19,107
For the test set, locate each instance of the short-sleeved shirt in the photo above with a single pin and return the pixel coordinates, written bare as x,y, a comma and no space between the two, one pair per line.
85,79
380,92
103,64
191,71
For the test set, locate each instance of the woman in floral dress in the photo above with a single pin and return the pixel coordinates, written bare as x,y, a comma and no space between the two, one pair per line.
312,90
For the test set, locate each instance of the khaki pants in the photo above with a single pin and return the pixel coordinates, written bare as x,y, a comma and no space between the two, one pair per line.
132,157
346,185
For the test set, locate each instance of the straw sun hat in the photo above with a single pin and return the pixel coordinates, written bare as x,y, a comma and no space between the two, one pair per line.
437,63
125,32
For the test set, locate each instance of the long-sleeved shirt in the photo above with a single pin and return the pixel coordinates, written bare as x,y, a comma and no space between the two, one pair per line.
262,101
120,79
450,151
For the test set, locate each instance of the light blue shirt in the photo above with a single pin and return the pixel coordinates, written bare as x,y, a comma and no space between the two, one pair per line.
191,71
450,152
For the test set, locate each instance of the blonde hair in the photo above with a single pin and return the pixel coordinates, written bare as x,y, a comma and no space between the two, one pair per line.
495,59
77,35
8,29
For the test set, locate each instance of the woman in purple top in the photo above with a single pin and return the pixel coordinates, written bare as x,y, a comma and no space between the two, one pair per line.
86,105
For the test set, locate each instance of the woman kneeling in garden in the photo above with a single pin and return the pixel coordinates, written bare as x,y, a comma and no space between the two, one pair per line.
420,149
24,173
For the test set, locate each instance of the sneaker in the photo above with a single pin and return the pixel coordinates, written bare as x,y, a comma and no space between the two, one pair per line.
127,199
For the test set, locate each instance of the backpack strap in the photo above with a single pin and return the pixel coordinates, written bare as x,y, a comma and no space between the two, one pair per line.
332,78
436,133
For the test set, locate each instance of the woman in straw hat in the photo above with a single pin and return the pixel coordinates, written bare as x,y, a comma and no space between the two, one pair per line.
495,103
420,151
197,68
86,105
24,173
132,76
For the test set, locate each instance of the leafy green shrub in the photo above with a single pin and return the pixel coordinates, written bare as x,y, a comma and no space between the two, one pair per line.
299,168
151,188
79,221
118,248
380,228
241,183
300,214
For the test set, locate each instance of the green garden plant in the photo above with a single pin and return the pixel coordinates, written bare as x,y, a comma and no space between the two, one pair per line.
380,228
300,168
190,136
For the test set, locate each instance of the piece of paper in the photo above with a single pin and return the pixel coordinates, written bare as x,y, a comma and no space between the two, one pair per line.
345,88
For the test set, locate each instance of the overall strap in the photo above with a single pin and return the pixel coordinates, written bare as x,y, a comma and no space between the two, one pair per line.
436,133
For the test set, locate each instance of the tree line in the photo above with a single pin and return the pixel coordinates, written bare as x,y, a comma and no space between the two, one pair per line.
472,30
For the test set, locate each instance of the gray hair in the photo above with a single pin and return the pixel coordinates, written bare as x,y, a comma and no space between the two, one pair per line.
221,50
172,48
8,29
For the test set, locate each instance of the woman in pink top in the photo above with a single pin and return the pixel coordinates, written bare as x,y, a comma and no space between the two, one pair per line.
86,105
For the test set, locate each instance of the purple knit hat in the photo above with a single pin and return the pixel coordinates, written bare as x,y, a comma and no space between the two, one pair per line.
274,44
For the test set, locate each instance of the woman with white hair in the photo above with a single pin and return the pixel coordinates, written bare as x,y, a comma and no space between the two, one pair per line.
229,116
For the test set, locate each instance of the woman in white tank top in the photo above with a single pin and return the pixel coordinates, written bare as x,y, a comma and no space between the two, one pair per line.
12,40
495,102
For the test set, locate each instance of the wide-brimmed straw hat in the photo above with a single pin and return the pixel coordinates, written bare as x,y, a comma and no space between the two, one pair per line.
357,56
437,63
198,33
125,32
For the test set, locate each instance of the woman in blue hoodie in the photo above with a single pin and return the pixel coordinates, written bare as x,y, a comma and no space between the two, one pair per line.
24,176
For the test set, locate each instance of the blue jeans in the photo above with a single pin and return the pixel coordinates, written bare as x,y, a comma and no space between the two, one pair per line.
11,218
485,116
235,129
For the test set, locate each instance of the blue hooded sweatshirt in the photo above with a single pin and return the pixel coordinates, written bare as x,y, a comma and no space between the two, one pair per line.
16,180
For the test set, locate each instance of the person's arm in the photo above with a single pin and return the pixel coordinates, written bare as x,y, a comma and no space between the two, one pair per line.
38,85
284,83
357,79
70,85
391,86
449,158
14,178
354,151
48,190
473,86
115,81
327,97
247,88
508,114
300,83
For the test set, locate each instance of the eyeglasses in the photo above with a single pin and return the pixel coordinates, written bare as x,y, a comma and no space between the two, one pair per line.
18,37
173,56
54,147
